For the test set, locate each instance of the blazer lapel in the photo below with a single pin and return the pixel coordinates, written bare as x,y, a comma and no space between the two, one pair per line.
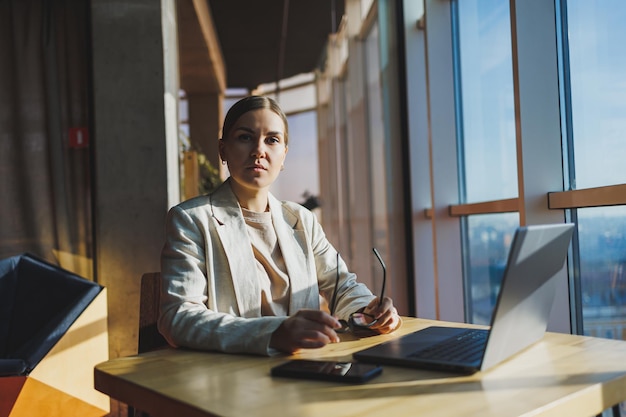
292,241
232,231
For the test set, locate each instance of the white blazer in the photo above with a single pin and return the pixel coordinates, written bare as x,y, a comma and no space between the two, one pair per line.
210,295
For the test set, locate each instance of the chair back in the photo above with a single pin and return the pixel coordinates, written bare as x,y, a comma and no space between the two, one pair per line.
149,336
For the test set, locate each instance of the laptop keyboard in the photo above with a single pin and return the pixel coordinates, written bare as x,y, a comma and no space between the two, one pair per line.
464,347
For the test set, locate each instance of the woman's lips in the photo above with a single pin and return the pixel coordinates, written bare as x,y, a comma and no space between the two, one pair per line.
257,168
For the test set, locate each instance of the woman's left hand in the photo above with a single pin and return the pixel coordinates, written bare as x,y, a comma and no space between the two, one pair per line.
386,315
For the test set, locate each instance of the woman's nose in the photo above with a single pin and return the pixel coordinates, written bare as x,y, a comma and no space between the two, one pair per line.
259,149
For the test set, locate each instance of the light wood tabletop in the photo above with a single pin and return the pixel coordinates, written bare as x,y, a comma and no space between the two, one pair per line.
562,375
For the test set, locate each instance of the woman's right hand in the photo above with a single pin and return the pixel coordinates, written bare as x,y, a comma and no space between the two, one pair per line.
305,330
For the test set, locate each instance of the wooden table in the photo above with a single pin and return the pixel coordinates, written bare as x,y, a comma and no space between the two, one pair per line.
562,375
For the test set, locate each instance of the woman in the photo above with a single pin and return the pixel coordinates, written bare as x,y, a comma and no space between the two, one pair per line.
242,271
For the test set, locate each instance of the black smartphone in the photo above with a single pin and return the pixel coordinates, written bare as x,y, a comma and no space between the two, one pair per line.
352,372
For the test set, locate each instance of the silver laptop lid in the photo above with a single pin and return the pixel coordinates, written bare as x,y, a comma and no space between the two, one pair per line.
528,288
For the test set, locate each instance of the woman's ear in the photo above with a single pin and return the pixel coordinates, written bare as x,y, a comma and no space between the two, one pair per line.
220,148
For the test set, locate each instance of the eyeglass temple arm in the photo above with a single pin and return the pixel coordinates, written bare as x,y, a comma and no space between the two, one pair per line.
334,299
382,291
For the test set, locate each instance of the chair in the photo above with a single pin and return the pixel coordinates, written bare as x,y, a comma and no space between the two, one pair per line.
149,336
53,331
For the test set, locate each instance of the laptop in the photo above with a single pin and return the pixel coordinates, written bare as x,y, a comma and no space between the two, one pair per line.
519,319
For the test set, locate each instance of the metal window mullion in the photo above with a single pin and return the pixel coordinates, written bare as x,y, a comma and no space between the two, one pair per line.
576,312
417,113
538,125
446,229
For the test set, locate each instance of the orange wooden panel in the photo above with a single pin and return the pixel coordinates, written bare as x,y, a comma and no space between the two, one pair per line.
10,388
39,399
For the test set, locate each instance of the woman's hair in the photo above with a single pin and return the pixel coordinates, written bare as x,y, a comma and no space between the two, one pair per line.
252,103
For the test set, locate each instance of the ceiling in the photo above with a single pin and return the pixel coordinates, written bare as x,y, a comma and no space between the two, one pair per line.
267,40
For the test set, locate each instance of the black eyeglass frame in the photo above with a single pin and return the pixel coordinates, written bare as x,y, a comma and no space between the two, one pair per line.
357,322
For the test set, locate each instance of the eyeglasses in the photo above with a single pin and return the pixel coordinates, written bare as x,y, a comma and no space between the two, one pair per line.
358,323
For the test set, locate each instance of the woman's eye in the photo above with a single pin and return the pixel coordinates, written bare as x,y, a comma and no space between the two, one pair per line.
244,137
273,139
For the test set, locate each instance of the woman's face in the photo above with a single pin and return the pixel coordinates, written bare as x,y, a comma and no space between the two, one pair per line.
255,149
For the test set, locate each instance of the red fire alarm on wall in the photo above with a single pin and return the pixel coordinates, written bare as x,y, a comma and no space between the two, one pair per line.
79,137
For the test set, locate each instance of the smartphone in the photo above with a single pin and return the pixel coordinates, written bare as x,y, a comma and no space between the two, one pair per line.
352,372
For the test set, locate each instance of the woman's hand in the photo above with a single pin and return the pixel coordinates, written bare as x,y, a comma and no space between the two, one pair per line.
305,329
386,315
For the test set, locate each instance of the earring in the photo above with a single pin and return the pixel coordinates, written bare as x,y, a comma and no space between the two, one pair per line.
282,167
223,162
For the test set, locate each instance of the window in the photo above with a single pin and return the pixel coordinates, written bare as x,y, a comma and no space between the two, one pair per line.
597,149
487,111
489,238
486,146
602,237
376,135
300,178
598,87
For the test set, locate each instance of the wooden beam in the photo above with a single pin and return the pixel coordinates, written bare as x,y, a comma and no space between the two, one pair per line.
611,195
488,207
202,68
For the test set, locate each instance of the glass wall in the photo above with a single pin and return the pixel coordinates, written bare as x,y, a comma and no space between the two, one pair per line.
602,237
361,166
594,115
376,135
489,238
485,91
595,32
523,132
300,179
486,145
515,116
